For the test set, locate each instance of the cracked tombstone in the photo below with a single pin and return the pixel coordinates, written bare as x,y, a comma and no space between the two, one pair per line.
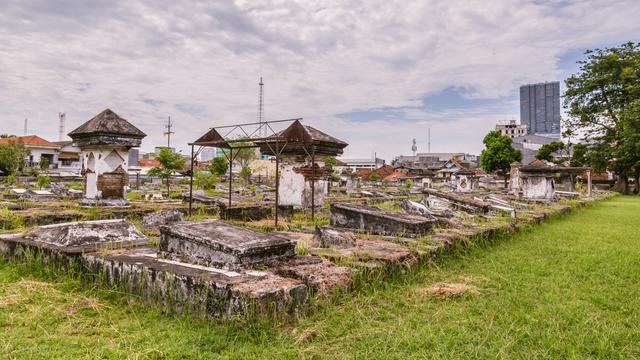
329,237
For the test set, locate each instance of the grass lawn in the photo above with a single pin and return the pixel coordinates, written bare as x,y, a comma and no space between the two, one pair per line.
566,289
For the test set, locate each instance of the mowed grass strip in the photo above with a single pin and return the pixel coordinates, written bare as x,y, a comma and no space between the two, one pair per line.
564,289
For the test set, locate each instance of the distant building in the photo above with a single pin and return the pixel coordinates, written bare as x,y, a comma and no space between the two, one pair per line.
40,148
357,164
437,159
68,156
208,153
529,145
540,108
134,157
512,129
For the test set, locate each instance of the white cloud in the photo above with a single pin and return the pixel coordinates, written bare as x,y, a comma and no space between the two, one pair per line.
200,61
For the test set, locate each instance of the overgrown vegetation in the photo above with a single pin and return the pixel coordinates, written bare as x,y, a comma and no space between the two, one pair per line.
563,289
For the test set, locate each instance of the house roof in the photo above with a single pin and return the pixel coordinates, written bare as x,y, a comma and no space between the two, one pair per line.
107,122
30,141
395,175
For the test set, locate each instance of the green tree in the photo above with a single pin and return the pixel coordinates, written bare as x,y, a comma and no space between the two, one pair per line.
43,181
374,177
170,162
44,163
498,154
205,180
245,173
579,156
547,150
219,166
601,101
12,156
243,155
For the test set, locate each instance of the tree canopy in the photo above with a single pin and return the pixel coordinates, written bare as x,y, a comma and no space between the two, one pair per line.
12,157
219,166
498,154
603,103
170,162
547,150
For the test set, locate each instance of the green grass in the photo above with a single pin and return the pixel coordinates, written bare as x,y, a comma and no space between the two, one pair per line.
565,289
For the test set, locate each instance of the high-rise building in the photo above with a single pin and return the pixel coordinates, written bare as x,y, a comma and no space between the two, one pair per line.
540,108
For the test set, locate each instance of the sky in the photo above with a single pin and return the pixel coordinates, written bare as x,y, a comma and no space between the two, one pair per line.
376,74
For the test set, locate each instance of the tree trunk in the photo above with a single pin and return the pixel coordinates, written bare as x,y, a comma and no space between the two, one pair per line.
636,180
622,184
506,181
168,188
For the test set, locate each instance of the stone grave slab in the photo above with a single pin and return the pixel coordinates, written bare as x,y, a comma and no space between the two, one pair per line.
215,243
379,221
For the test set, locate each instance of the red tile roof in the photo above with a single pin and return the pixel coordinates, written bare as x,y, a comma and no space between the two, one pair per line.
30,140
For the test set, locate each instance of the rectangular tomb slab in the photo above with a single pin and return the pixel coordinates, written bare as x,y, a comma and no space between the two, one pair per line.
379,221
215,243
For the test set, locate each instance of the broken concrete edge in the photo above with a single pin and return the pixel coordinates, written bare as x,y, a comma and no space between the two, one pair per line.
176,289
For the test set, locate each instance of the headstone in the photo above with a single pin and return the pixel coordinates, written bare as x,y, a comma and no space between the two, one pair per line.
329,237
156,219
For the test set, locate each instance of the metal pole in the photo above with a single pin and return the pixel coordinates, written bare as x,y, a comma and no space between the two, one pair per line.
230,173
191,182
277,182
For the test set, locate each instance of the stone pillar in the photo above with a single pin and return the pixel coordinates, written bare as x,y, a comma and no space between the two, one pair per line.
589,185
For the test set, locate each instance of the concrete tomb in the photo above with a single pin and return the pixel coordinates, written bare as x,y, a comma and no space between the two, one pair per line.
104,142
379,221
466,181
302,173
87,234
215,243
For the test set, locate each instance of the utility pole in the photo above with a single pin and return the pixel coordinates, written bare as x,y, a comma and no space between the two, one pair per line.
61,117
25,126
263,130
429,140
168,132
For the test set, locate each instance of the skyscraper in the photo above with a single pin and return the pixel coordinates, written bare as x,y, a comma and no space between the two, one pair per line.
540,108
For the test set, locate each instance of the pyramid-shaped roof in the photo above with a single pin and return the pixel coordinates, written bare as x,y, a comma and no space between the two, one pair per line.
107,122
212,138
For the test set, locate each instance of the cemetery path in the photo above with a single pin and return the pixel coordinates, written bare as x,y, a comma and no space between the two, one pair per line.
565,289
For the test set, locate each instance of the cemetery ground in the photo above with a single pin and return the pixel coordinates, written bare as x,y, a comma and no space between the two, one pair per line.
566,288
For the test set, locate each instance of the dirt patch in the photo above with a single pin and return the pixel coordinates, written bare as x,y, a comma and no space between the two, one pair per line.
449,290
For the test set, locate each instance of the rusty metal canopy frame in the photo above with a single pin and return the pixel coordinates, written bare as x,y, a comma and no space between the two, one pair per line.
275,143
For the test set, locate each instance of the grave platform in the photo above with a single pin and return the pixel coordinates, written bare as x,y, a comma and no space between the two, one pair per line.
215,243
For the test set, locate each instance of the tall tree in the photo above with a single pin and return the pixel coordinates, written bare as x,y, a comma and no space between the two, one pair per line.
12,156
170,162
498,154
601,101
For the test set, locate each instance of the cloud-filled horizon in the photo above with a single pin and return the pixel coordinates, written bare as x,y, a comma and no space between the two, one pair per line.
374,73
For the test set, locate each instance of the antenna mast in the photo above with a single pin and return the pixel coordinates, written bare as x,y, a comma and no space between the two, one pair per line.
169,132
25,125
429,140
61,117
262,129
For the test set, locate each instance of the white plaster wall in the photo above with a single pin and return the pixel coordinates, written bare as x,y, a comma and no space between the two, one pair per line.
294,190
37,153
538,187
100,166
291,186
